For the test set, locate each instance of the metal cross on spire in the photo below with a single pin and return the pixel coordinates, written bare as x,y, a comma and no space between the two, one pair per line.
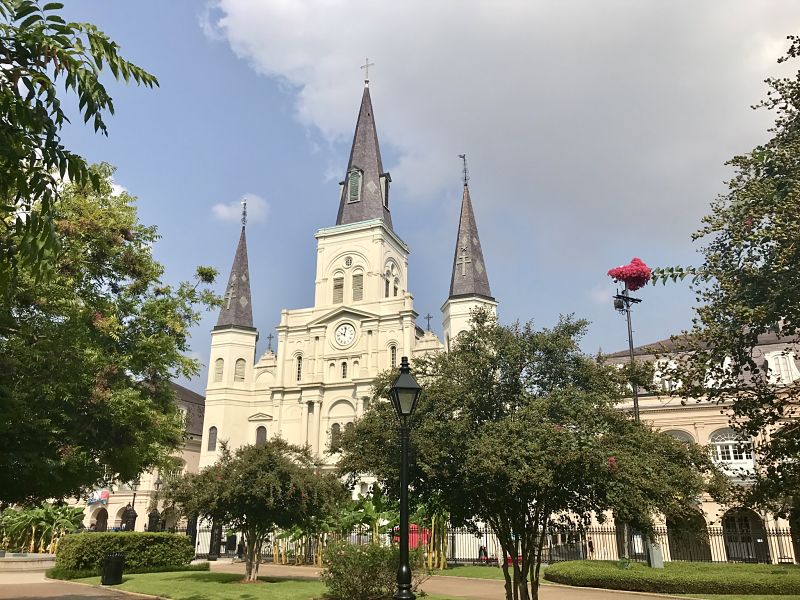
244,211
428,318
366,67
270,337
463,157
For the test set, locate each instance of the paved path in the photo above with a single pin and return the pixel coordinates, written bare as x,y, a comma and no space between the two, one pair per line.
32,584
455,587
25,585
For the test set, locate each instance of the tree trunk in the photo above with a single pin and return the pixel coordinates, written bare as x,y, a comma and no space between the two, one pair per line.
538,565
251,556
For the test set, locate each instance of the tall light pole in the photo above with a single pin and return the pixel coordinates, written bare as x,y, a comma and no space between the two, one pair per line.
404,392
623,303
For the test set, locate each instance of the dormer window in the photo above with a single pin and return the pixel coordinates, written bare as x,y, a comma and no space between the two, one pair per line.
354,186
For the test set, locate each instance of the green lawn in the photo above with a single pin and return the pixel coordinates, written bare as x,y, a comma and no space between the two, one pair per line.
189,585
700,580
476,571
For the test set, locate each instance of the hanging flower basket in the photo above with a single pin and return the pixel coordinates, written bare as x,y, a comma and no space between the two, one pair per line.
634,276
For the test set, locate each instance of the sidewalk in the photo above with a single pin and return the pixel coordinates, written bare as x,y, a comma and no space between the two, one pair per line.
32,584
454,587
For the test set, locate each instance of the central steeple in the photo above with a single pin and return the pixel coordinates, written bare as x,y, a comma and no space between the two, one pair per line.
365,189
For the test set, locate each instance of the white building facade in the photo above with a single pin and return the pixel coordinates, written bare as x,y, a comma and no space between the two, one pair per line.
363,321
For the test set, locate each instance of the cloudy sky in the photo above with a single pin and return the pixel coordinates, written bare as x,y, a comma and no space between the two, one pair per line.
595,131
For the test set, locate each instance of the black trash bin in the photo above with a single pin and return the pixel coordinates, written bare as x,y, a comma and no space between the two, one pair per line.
112,568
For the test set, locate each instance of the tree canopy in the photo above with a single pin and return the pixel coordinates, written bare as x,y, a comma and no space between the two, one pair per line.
87,355
748,287
258,488
518,429
39,50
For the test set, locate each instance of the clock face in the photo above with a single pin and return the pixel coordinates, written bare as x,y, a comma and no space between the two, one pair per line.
345,334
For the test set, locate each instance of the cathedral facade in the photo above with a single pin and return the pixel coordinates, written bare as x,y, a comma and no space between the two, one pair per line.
363,321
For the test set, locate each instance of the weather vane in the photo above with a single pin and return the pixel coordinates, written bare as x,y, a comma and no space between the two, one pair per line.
366,67
463,157
244,211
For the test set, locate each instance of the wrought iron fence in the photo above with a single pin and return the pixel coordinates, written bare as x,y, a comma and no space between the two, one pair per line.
713,544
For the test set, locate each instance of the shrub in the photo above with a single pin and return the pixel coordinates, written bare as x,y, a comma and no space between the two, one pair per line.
60,573
679,577
86,551
366,572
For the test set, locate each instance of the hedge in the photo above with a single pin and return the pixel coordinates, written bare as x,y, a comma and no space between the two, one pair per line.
60,573
679,577
86,551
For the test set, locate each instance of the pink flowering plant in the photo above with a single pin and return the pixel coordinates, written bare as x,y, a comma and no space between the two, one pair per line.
634,275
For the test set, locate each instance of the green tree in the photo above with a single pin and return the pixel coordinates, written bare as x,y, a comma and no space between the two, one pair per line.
748,285
87,355
518,429
39,50
256,489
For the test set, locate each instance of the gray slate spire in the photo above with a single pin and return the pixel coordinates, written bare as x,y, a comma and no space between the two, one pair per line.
365,182
237,310
469,270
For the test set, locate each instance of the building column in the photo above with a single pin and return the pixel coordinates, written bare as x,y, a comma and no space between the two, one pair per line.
303,422
318,427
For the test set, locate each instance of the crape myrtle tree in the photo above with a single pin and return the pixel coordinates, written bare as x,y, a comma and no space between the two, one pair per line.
87,355
257,489
518,429
747,285
43,60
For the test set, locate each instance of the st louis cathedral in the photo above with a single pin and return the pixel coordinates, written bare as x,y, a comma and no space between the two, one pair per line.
362,321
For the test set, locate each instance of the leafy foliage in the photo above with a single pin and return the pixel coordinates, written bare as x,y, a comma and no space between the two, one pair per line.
679,577
38,51
519,429
86,551
367,572
87,356
257,489
748,286
39,528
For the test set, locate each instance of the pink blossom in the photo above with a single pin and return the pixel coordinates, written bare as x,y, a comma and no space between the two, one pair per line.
634,275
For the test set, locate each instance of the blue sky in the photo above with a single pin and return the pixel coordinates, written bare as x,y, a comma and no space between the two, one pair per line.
595,132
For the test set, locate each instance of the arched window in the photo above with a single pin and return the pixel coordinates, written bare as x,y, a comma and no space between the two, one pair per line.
363,489
680,435
782,367
299,368
238,371
349,426
731,451
354,186
358,287
261,436
212,439
219,365
336,436
396,285
338,289
387,283
393,356
344,369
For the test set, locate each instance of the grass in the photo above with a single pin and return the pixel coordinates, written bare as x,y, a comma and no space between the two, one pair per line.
703,580
220,586
475,571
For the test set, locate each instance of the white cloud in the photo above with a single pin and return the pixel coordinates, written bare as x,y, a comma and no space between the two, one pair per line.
621,112
117,189
257,209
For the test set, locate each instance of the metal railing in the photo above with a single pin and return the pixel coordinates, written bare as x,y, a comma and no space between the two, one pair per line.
713,544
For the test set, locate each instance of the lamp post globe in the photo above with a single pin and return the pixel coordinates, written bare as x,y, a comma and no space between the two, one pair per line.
405,392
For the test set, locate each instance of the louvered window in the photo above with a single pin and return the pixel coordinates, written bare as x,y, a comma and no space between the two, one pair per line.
338,290
393,356
358,287
299,368
219,365
212,439
344,370
354,187
396,285
387,284
261,436
238,373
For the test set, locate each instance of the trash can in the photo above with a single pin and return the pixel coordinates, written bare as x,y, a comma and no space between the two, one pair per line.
112,568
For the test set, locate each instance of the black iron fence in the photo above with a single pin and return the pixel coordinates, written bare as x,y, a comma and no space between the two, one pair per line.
713,544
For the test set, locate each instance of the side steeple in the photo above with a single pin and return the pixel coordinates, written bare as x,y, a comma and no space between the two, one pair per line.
469,269
365,189
237,310
469,282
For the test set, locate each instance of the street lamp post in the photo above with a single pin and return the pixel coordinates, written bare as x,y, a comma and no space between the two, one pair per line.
154,518
623,303
404,392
